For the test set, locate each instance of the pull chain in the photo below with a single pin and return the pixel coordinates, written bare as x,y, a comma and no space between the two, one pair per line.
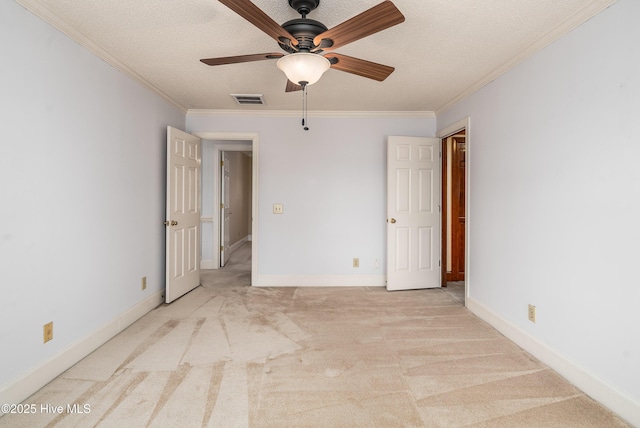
305,120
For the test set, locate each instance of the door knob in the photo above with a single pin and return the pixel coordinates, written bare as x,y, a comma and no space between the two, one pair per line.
393,220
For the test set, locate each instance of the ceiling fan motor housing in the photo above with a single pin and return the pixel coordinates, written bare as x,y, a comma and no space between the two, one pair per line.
304,6
304,30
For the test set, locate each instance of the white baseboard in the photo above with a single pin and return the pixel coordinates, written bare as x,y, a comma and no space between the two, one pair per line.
238,244
320,281
24,386
618,402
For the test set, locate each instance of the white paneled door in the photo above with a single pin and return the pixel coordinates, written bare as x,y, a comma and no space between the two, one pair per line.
225,209
413,213
183,213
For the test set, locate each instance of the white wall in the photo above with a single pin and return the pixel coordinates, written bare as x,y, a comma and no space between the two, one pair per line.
331,180
554,203
210,185
82,187
239,197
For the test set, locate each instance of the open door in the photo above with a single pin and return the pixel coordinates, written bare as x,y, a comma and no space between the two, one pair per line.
225,209
183,213
413,213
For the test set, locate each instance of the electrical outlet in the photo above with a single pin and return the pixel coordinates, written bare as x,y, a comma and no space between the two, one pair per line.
47,330
356,262
143,283
278,208
376,264
532,313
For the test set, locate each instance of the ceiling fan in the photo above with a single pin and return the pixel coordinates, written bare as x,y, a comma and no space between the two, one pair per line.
309,44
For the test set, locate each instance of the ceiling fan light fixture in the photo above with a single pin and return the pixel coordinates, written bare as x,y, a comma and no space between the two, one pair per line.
303,67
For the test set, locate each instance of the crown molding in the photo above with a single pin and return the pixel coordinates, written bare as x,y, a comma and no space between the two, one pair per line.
579,18
44,13
319,113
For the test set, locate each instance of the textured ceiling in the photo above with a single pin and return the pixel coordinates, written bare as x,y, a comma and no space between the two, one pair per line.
443,50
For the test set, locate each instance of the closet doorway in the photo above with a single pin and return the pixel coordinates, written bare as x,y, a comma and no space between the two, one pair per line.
454,148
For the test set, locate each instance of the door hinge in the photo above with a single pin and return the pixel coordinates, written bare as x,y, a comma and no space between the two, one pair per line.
222,206
221,247
221,163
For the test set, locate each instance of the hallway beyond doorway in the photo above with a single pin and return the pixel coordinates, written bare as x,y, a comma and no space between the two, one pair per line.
236,271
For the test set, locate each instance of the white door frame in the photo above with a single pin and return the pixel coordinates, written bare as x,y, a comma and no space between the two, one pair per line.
237,145
457,126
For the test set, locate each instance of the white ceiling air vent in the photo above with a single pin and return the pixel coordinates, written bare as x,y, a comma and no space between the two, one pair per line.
249,99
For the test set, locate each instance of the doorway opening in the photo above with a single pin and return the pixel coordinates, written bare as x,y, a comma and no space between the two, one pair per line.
453,204
243,241
455,184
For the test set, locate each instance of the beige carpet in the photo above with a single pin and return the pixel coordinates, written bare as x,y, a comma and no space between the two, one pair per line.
228,355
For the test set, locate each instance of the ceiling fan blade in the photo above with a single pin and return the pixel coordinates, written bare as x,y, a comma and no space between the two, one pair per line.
361,67
291,87
378,18
257,17
240,58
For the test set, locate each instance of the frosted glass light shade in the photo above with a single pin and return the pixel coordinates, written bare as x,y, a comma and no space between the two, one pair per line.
303,67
